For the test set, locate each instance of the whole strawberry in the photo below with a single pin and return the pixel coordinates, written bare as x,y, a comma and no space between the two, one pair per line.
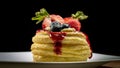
47,19
73,23
74,20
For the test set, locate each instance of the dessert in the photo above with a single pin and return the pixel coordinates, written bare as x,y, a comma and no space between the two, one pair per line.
60,39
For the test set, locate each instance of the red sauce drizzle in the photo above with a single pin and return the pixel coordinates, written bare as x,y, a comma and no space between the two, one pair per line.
90,47
37,31
57,37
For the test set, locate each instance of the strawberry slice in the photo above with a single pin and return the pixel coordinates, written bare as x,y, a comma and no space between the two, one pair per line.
57,18
46,22
51,18
74,23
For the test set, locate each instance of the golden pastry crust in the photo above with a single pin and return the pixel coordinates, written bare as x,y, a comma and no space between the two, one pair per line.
74,37
64,46
38,58
74,47
67,50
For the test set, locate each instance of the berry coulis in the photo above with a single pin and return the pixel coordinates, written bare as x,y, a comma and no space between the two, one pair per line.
87,39
57,38
38,31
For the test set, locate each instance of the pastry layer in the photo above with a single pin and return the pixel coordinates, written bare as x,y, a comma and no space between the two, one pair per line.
67,50
74,47
70,38
37,58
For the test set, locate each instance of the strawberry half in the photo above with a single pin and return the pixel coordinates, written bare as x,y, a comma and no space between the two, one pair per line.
50,19
46,22
73,23
57,18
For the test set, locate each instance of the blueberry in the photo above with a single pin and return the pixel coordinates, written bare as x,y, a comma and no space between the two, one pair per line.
55,26
65,26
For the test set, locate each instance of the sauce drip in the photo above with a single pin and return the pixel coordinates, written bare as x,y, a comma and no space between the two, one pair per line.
89,45
57,38
37,31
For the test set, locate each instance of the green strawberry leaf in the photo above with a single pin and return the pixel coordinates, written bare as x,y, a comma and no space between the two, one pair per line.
40,15
79,15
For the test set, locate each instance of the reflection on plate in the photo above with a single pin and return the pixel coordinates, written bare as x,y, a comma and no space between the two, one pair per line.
24,59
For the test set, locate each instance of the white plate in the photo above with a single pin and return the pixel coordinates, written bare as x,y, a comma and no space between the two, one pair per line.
24,60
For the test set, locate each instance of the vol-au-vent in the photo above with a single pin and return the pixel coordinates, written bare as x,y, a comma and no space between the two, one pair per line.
60,39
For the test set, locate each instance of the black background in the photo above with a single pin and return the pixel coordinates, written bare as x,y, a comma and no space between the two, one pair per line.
102,26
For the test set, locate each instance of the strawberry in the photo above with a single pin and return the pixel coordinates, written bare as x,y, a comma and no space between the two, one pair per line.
73,23
57,18
46,22
51,18
44,16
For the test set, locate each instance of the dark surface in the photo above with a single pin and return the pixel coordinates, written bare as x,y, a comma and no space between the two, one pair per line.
102,26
